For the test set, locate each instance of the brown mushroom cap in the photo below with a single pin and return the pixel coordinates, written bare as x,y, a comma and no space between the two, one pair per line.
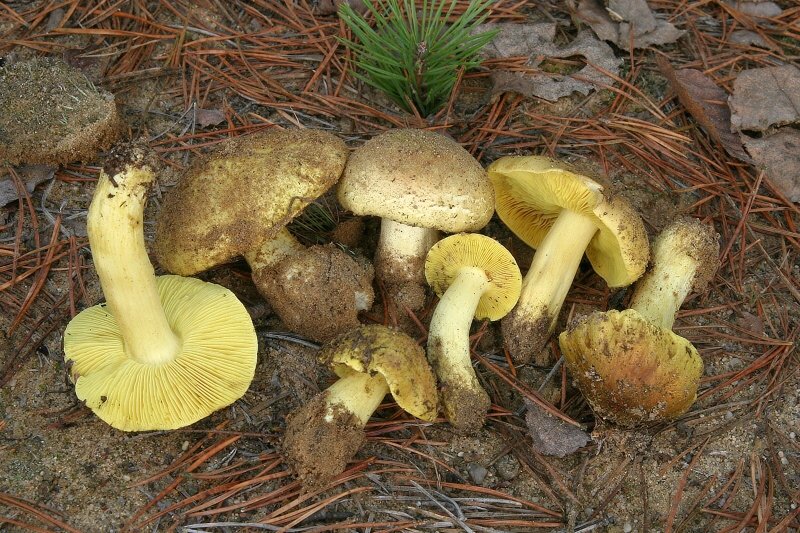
395,356
448,256
418,178
631,371
242,194
532,190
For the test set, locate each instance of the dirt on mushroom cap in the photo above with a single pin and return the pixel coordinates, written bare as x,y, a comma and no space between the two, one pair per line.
236,198
51,113
418,178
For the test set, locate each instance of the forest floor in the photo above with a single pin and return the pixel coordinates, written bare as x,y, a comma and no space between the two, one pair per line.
187,75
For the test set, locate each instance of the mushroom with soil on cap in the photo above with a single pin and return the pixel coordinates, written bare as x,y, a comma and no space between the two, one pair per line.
419,182
475,277
162,352
237,202
562,215
371,361
629,364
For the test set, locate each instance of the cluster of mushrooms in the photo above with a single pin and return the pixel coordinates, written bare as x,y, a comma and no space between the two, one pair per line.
165,351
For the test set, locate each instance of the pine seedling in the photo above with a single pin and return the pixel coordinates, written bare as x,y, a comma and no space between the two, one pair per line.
414,56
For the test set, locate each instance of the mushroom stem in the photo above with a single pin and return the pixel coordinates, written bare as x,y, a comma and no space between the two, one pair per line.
545,286
116,238
359,394
448,336
401,252
274,250
662,290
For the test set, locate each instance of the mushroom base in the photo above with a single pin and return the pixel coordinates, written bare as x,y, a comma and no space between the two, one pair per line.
525,334
319,292
318,450
464,407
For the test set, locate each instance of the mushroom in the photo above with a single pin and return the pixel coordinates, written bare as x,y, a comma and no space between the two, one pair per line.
629,364
162,352
323,435
475,277
419,182
237,202
563,215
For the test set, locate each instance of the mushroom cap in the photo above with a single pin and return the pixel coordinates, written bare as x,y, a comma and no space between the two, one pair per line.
215,367
242,194
395,356
631,371
455,252
418,178
691,238
531,191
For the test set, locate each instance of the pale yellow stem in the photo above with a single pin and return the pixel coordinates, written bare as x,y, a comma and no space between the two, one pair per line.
400,256
116,238
359,394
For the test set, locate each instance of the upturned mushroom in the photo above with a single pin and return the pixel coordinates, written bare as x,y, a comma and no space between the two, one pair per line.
238,201
419,183
475,277
162,352
562,215
371,361
630,365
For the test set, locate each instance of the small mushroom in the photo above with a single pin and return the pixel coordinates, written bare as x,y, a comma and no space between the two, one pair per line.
629,364
371,361
237,202
162,352
562,215
419,183
475,277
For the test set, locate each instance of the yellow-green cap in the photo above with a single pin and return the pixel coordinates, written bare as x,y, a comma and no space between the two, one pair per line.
214,368
242,194
631,371
448,256
530,192
395,356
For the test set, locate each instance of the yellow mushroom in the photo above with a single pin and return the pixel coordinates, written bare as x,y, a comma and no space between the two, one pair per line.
371,361
562,215
161,353
237,202
629,364
475,277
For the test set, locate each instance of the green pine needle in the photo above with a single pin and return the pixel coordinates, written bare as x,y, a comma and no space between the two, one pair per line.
412,55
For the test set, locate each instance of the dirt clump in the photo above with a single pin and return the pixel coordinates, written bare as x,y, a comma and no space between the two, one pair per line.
318,449
51,113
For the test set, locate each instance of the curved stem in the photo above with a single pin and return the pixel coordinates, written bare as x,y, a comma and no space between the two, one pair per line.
661,291
545,286
358,393
116,238
448,336
400,256
274,251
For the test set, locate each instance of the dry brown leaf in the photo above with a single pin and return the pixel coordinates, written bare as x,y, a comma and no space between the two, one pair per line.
764,97
707,103
779,155
627,21
208,117
756,9
748,38
551,435
30,175
535,41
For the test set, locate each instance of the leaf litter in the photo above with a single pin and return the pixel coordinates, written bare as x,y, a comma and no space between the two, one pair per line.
730,463
626,23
